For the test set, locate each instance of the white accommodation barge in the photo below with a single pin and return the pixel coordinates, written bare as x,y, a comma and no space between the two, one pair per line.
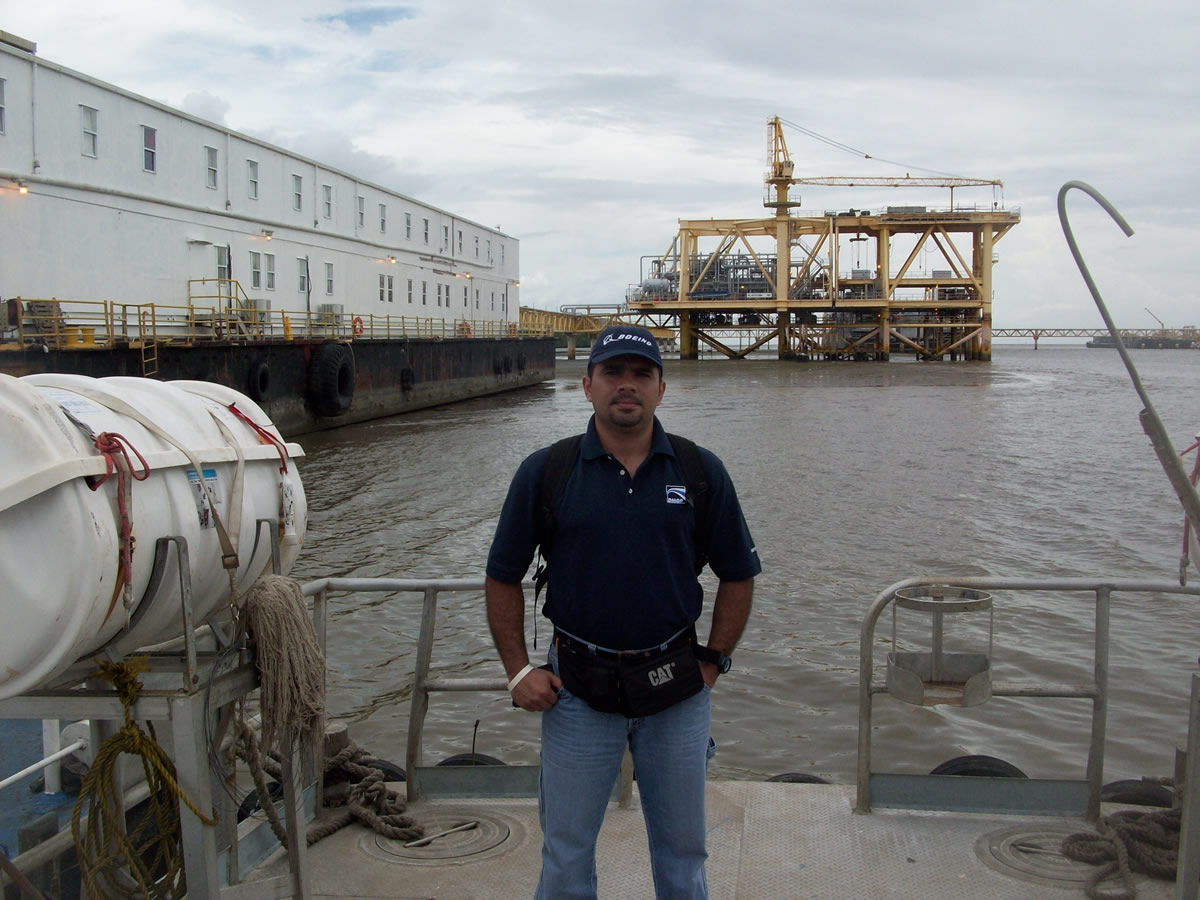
141,240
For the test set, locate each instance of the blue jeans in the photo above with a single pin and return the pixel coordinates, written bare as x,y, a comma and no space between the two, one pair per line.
581,757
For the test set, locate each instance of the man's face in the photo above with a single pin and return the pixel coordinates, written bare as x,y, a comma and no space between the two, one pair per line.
625,391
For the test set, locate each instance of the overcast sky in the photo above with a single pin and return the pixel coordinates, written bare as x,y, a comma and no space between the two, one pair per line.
588,130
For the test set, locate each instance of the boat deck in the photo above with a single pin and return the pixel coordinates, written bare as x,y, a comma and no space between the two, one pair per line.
765,840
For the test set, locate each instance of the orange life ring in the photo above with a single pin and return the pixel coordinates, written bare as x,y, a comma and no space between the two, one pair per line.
357,325
464,328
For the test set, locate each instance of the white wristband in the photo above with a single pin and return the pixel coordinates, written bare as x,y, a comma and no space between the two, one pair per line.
517,678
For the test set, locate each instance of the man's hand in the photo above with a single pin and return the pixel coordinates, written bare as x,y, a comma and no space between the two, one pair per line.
709,672
537,691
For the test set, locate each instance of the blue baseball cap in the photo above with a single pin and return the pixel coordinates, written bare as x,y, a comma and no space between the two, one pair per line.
625,340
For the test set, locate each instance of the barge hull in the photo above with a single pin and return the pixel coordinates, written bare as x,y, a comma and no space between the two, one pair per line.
296,382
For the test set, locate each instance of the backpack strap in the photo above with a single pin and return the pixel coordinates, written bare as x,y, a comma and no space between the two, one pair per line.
559,463
695,476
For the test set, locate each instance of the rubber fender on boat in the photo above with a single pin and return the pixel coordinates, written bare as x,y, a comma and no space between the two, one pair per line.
258,385
520,362
1138,792
798,778
508,364
979,766
471,759
408,379
250,804
497,366
331,378
391,771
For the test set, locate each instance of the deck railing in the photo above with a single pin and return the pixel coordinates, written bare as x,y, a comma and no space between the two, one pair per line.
1004,795
442,781
215,318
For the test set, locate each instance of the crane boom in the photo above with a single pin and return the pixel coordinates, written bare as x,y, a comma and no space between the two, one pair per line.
1161,323
906,181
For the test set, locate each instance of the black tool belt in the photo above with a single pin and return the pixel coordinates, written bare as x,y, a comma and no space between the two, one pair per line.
633,683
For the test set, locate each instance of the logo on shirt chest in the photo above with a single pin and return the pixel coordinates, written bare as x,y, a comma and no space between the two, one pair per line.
676,493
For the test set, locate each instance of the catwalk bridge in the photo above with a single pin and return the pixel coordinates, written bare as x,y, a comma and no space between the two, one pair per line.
587,321
1137,338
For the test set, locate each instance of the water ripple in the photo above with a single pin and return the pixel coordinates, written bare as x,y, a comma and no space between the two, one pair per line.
852,476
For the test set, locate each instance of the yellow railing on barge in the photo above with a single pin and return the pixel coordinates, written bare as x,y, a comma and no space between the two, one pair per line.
103,324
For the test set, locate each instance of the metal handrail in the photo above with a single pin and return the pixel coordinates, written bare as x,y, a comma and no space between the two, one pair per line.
45,763
1096,691
423,684
94,324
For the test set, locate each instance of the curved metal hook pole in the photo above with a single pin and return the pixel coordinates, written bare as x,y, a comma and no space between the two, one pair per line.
1151,423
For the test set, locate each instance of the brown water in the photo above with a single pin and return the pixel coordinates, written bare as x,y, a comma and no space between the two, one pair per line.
852,476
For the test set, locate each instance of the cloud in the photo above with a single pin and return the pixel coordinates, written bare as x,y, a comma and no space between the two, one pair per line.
588,130
205,106
365,19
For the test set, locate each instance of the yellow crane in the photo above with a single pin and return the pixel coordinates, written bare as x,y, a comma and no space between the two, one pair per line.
780,175
780,167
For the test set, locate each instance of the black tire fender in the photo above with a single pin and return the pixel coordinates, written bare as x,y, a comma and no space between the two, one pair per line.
250,803
1138,793
471,759
798,778
391,771
979,766
331,379
258,384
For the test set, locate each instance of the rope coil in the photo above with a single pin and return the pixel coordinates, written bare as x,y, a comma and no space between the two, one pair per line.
1126,842
370,801
148,859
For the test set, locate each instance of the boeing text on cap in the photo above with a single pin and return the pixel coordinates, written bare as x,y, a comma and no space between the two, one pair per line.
622,340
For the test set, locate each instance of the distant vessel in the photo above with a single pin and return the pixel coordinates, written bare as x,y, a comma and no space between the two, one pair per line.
142,240
1176,341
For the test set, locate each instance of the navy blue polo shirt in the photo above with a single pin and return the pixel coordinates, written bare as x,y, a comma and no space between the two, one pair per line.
623,575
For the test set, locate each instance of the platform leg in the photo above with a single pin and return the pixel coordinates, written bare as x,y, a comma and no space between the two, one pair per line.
193,772
51,744
1187,876
293,806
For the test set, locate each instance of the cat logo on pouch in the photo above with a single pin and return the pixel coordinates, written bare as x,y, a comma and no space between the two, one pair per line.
662,674
676,493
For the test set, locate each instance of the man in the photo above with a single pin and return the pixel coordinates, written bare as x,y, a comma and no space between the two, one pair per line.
623,596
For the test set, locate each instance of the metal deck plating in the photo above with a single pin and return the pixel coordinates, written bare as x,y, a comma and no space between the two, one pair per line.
765,840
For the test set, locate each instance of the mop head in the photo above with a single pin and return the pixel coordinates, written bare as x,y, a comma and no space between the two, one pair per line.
291,666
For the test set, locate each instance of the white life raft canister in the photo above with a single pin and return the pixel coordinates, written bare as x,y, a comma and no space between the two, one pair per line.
64,594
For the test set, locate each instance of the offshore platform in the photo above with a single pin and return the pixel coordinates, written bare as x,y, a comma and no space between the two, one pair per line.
840,284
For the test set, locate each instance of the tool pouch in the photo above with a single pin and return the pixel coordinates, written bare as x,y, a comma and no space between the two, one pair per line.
589,677
652,684
634,685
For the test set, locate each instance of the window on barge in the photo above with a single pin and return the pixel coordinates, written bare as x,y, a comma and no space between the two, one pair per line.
89,122
149,148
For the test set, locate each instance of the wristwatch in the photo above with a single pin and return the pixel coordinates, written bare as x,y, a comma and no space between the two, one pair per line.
716,657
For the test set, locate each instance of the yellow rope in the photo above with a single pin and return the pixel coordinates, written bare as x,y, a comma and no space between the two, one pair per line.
149,858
